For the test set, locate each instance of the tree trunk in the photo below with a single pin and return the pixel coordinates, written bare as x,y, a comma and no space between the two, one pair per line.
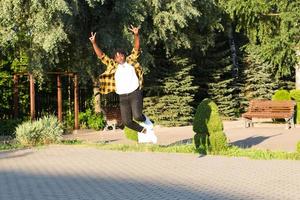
297,70
97,99
234,57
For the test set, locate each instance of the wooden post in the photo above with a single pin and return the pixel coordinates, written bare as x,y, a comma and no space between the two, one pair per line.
297,70
32,97
76,108
16,96
59,99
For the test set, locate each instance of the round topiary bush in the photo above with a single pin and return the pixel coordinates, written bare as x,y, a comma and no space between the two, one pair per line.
295,95
281,95
43,131
208,127
130,134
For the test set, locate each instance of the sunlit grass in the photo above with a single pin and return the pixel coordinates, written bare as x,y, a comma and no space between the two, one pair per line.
231,151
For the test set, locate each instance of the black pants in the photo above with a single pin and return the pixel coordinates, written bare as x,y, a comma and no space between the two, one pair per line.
131,106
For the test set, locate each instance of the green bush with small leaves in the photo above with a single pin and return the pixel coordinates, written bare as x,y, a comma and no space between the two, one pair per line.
46,130
208,127
281,95
96,121
298,147
88,119
130,134
295,95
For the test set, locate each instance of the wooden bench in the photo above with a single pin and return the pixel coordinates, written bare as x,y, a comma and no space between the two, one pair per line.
112,117
270,109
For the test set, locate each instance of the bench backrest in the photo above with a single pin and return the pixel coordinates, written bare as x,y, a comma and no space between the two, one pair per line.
269,106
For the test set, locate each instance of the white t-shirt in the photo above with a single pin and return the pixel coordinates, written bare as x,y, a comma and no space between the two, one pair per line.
126,79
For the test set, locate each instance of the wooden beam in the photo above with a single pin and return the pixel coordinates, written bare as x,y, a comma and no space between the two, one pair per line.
54,73
76,102
16,96
59,99
32,97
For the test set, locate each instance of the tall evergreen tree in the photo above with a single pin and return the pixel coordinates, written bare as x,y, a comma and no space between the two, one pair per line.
272,27
173,106
218,75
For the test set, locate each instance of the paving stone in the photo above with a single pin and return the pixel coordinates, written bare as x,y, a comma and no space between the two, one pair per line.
77,173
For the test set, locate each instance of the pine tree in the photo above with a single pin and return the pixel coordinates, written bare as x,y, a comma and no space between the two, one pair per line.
218,77
259,79
173,106
272,28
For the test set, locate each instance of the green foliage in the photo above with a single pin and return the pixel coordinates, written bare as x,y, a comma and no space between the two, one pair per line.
297,121
172,107
235,151
169,19
72,142
8,127
96,121
298,147
130,134
201,142
148,148
9,146
207,118
218,141
88,119
295,95
281,95
231,151
208,126
69,120
24,24
259,81
271,27
223,84
46,130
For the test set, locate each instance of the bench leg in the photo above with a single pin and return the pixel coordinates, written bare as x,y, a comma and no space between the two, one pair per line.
248,123
290,123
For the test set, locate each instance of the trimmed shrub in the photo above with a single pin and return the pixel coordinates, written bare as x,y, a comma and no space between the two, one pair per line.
295,95
46,130
281,95
218,141
130,134
208,127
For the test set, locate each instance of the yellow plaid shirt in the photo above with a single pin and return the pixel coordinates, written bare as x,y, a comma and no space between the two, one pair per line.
107,79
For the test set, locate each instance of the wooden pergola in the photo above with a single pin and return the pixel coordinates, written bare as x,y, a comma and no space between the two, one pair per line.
59,94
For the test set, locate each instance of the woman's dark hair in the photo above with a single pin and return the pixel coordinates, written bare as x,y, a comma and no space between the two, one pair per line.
121,51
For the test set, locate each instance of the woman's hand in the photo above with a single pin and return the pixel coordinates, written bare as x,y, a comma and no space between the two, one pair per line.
134,30
93,38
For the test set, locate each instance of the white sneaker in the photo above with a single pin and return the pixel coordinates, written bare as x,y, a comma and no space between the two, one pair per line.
151,136
142,138
147,123
148,137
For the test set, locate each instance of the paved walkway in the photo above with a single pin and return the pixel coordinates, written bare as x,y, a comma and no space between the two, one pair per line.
85,173
263,136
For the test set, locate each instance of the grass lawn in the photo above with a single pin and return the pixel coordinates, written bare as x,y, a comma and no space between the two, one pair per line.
232,151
